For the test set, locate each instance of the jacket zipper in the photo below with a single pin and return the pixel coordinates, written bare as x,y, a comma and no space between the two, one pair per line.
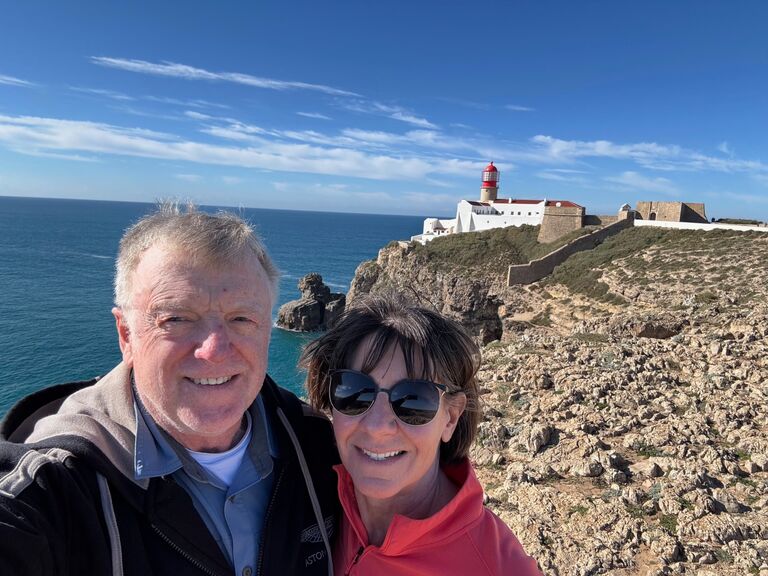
355,560
184,554
267,516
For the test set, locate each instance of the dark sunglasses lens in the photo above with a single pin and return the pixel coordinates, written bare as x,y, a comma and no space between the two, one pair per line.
415,402
352,393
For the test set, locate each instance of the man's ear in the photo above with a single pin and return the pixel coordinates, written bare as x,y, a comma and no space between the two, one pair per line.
456,405
123,334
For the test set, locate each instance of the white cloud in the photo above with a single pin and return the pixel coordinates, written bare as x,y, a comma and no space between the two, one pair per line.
231,180
725,148
633,181
646,154
197,115
761,179
560,175
101,92
195,103
394,112
746,198
315,115
188,177
175,70
516,108
414,120
12,81
67,136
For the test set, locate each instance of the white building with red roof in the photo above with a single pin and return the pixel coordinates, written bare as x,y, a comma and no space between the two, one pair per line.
490,211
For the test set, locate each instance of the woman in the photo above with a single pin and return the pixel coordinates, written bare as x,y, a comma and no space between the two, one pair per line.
400,382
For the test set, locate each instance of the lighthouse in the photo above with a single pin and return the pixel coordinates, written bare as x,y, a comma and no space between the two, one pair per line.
490,187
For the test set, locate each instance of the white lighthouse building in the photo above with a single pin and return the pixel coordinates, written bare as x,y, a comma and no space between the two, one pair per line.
488,212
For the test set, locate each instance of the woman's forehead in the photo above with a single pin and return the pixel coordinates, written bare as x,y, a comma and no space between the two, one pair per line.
377,349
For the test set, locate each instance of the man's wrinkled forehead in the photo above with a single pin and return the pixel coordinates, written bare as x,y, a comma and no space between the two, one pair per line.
166,257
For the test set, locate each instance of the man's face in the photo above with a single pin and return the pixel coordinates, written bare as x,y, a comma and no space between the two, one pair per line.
197,337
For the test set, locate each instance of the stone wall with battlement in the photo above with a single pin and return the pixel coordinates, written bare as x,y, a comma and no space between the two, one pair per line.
599,220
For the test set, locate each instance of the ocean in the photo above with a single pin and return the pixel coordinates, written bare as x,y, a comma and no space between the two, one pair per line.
56,266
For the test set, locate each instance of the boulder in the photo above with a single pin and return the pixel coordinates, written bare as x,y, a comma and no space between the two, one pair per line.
317,308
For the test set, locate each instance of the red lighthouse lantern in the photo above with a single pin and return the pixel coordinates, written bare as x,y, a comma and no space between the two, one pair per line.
490,187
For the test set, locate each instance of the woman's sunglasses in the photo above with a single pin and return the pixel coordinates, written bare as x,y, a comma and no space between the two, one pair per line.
414,402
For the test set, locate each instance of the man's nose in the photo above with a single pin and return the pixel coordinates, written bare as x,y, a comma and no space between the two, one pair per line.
215,345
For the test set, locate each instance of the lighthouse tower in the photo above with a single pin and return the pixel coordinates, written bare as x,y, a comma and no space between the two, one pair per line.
490,187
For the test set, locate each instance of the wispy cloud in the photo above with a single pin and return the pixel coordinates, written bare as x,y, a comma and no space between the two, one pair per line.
193,103
761,179
67,136
647,154
386,110
315,115
188,177
197,115
516,108
102,92
725,148
633,181
231,180
175,70
563,175
746,198
12,81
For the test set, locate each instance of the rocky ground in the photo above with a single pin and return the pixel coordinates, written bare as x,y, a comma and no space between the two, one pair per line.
626,430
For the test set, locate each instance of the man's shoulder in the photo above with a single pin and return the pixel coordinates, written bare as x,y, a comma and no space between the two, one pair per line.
22,466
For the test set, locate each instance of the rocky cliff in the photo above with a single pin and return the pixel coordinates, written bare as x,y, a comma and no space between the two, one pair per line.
472,299
625,399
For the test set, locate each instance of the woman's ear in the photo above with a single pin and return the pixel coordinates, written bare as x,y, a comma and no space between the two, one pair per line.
456,404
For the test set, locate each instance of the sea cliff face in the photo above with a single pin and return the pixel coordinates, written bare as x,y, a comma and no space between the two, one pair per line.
469,298
625,399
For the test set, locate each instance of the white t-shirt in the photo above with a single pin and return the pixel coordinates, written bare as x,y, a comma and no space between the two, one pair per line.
224,465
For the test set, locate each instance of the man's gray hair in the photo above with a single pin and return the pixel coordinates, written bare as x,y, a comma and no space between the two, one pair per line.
216,238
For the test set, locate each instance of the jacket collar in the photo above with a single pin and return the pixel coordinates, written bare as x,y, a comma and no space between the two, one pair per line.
406,534
103,415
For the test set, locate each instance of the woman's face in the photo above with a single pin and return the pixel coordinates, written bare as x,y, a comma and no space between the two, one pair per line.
386,457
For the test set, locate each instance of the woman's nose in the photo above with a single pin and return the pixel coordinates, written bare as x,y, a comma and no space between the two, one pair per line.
380,414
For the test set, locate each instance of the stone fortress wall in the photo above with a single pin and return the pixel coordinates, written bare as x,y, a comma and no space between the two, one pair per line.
538,269
559,221
672,211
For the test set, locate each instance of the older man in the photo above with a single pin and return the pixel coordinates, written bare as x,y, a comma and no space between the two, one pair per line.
186,458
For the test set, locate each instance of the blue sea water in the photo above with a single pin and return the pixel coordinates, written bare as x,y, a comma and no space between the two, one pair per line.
56,265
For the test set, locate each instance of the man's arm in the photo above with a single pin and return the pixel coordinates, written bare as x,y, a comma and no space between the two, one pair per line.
49,516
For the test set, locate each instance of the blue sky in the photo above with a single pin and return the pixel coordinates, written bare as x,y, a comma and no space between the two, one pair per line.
386,107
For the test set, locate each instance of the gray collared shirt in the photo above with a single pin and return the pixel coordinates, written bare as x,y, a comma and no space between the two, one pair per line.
234,514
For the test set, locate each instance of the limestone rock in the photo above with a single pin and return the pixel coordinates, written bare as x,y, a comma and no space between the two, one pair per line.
317,308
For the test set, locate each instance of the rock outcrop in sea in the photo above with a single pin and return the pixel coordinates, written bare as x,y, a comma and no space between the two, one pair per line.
625,399
317,308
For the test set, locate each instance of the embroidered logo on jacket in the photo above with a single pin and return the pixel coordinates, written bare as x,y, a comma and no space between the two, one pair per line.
312,535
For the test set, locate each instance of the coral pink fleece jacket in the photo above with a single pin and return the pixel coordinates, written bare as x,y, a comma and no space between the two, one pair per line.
463,538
